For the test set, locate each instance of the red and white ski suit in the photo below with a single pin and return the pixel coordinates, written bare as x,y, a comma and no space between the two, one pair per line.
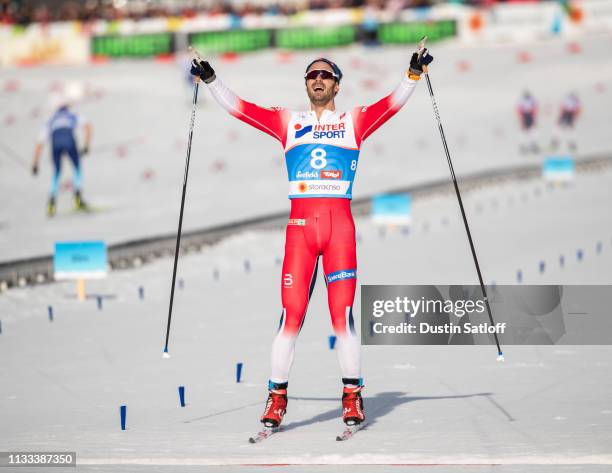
321,156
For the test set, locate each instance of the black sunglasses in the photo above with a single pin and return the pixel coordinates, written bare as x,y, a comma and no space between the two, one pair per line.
312,75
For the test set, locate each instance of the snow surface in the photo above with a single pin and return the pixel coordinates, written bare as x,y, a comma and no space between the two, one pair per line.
545,409
140,111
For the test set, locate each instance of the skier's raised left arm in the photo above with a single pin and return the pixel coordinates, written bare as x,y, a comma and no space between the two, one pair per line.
368,119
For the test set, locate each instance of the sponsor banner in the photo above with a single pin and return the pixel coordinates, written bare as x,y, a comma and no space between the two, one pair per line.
317,187
55,43
80,260
141,45
326,17
390,209
315,37
513,22
69,42
559,169
457,315
592,16
341,275
237,41
411,33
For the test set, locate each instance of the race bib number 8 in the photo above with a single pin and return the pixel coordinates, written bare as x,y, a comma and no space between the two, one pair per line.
318,160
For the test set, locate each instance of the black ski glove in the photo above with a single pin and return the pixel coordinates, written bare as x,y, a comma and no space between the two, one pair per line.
203,70
418,61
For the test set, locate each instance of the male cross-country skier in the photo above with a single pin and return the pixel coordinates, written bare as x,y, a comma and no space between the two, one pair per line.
568,113
527,109
321,150
60,133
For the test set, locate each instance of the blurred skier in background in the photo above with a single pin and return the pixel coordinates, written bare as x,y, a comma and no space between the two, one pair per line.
569,111
527,109
60,133
321,149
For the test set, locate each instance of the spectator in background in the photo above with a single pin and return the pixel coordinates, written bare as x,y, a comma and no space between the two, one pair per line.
24,12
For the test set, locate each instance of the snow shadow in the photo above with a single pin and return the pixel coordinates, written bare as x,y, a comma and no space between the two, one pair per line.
376,407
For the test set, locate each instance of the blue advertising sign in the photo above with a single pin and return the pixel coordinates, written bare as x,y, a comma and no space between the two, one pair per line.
392,209
559,168
80,260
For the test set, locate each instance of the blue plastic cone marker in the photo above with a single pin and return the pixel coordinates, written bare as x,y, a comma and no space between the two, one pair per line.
50,311
216,274
181,390
123,413
141,292
599,246
579,255
332,342
519,276
99,300
238,372
247,266
542,266
181,284
562,260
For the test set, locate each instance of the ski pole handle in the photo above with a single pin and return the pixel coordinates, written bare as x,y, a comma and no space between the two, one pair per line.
421,47
195,53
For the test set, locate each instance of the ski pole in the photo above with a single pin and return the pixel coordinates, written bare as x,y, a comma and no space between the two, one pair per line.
180,224
500,355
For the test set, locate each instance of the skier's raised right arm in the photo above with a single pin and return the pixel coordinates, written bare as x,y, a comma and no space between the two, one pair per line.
272,121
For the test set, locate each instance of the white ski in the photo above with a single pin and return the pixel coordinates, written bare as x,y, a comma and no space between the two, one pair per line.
263,434
349,431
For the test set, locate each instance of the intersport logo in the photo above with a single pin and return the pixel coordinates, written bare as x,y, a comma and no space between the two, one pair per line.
301,131
331,174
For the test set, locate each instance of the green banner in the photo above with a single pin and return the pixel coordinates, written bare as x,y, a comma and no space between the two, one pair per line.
144,45
235,41
404,33
302,38
244,40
